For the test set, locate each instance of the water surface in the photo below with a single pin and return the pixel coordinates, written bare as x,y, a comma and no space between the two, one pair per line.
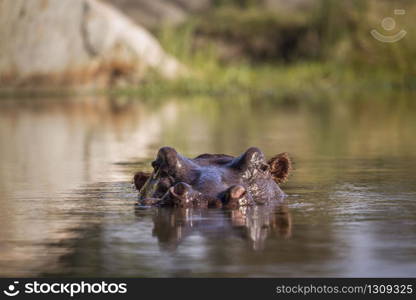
67,205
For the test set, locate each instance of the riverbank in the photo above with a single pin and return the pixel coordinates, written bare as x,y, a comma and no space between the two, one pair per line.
319,52
246,49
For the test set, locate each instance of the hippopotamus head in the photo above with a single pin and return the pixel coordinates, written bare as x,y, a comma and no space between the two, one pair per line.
212,179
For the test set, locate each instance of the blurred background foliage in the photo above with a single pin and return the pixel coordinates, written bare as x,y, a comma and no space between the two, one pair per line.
267,48
293,48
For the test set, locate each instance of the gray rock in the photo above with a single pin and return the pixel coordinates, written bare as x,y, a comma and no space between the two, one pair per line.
75,42
154,13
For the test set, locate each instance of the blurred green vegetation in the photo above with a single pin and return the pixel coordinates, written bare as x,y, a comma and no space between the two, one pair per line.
241,47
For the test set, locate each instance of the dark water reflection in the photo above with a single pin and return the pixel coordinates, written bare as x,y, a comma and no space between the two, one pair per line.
67,204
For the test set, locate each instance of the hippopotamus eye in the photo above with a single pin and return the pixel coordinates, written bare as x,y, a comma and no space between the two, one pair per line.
165,183
264,167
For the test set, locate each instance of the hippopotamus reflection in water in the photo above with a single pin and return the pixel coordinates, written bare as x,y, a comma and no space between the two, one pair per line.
213,180
255,224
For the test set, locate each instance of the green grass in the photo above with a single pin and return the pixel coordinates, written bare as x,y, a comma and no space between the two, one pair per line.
232,51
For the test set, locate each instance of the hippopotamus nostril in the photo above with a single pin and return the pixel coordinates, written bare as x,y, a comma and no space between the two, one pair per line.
181,194
180,189
236,196
237,191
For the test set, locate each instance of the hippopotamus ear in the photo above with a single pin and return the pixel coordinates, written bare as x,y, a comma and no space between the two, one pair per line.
251,159
172,163
140,179
280,165
167,158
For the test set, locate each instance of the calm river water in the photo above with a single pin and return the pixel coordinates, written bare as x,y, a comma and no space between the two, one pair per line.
67,205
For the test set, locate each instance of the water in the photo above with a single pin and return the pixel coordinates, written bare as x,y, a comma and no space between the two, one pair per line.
67,202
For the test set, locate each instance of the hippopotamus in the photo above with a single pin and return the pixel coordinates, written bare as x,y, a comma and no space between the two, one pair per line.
213,180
